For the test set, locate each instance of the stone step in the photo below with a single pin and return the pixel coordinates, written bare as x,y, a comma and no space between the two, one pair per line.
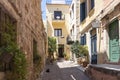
103,72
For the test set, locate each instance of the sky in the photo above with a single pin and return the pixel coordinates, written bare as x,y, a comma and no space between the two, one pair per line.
43,5
58,1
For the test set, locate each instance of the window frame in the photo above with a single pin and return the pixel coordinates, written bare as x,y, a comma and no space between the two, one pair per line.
83,39
83,11
57,13
58,31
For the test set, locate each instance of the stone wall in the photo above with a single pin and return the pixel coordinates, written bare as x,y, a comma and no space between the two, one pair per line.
103,72
103,57
27,14
109,17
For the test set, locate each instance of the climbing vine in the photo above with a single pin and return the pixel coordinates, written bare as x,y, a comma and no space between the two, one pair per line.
16,67
37,60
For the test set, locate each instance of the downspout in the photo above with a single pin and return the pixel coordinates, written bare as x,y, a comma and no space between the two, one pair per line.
99,40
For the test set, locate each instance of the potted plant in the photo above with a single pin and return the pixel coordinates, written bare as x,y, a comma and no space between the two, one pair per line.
81,52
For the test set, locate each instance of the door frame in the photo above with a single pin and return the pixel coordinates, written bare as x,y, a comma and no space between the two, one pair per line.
61,46
93,38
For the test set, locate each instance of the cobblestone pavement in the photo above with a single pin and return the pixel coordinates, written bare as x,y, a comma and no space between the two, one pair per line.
63,70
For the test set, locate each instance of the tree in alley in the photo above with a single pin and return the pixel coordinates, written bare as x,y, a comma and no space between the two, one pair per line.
52,46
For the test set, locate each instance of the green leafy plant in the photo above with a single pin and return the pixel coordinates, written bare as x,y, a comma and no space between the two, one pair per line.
79,50
52,46
82,52
75,48
20,65
37,60
66,56
8,45
37,65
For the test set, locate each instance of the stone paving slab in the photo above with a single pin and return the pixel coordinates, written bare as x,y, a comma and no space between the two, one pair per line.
63,70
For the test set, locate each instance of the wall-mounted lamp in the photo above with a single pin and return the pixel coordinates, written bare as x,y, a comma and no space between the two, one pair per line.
96,24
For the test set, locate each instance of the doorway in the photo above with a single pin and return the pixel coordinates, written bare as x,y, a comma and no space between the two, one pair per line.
61,50
114,48
93,46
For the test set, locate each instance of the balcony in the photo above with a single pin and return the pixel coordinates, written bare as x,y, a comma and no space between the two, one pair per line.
69,40
58,18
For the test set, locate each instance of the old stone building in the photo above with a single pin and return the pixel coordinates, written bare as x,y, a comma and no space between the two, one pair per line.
25,15
108,55
58,20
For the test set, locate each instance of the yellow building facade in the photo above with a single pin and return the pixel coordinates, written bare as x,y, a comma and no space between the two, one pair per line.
58,26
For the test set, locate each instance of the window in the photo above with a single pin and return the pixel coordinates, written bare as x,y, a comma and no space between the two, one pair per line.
35,52
94,44
83,40
92,4
57,15
6,29
73,9
83,11
58,32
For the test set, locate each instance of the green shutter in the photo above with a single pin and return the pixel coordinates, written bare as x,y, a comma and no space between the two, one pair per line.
114,48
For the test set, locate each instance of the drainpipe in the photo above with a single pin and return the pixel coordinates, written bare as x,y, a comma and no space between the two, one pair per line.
99,40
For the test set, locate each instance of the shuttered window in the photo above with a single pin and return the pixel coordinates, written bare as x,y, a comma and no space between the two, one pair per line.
58,32
92,4
83,40
94,44
83,11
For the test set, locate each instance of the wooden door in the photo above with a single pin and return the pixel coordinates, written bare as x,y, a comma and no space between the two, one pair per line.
114,48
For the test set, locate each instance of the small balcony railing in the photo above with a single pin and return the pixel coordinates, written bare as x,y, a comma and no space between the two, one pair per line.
62,17
69,40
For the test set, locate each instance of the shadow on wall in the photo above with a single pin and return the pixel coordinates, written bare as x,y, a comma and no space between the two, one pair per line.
102,58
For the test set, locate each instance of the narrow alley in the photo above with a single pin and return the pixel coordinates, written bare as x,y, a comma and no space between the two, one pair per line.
64,70
59,39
